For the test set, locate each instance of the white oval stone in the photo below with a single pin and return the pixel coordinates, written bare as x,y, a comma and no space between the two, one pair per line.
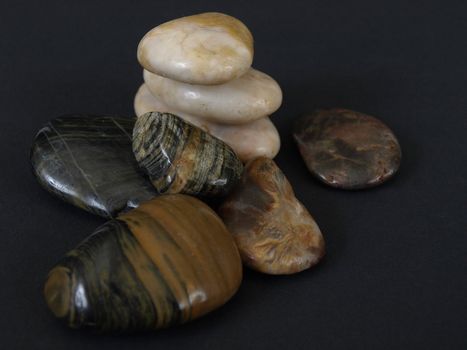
252,96
209,48
249,141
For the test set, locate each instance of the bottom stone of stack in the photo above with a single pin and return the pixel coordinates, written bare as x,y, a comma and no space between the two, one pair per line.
249,141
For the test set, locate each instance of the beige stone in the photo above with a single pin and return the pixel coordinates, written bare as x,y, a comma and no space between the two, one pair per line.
250,97
208,48
250,140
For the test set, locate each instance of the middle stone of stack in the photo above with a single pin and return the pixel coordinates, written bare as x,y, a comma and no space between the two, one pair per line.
199,68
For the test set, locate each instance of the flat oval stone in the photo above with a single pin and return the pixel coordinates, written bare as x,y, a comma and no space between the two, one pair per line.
251,140
274,232
167,262
88,161
253,96
208,48
181,158
347,149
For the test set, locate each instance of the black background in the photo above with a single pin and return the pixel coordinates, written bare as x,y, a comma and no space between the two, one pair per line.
395,274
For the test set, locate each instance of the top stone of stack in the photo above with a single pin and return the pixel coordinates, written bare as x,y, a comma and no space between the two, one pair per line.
208,49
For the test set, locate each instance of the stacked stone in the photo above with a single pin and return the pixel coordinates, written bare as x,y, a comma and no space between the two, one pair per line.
199,68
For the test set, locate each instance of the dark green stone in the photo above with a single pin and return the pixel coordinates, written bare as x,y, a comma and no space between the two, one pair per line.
347,149
88,161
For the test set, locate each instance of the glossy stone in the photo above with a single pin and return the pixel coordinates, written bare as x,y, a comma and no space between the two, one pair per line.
181,158
88,161
167,262
274,232
208,48
251,140
347,149
252,96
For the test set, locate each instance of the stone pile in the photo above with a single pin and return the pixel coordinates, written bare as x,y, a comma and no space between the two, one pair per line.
199,68
164,257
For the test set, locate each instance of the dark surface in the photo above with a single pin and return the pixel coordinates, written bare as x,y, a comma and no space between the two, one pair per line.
347,149
88,161
394,276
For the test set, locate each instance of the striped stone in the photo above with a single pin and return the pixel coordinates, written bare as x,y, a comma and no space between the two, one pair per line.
167,262
182,158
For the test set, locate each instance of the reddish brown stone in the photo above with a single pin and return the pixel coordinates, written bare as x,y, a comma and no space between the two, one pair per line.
274,232
347,149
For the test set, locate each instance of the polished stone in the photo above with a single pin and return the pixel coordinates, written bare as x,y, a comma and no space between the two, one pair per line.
88,161
167,262
181,158
274,232
208,48
252,96
250,140
347,149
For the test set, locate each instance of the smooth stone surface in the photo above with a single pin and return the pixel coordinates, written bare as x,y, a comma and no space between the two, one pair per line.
88,162
167,262
181,158
209,48
249,141
252,96
274,232
347,149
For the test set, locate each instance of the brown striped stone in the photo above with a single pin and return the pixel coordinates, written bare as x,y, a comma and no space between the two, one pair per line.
167,262
182,158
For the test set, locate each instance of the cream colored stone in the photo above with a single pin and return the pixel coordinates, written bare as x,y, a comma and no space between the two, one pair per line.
255,139
249,141
209,48
252,96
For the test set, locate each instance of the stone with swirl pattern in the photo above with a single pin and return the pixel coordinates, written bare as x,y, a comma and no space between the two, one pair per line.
274,232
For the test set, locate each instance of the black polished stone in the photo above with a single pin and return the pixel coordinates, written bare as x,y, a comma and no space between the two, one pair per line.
88,161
